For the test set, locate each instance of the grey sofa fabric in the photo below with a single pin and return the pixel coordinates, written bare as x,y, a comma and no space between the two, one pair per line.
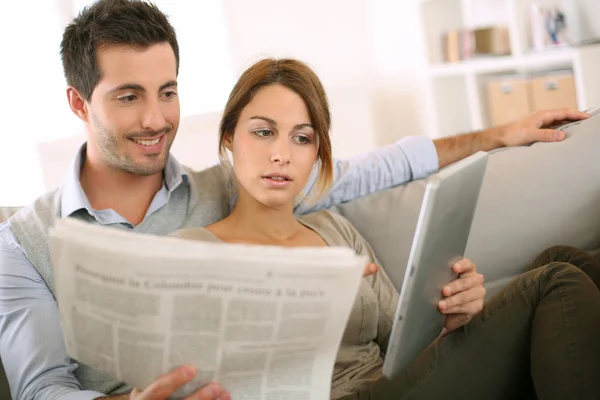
6,212
535,197
532,197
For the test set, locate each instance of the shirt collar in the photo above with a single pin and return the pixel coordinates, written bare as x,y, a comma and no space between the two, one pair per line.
73,198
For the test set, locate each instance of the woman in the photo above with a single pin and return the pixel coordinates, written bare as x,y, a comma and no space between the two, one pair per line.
539,335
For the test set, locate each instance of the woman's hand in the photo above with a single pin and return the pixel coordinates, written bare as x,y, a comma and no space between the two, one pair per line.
370,269
463,297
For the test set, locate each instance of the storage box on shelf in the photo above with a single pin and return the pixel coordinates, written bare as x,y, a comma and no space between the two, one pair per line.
460,99
555,90
513,96
508,99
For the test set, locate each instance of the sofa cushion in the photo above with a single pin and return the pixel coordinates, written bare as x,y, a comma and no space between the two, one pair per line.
532,197
535,197
387,220
7,212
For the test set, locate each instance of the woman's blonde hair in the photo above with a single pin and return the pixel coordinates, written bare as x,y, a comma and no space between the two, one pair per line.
298,77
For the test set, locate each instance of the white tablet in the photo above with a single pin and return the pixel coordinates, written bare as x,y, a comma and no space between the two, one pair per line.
440,239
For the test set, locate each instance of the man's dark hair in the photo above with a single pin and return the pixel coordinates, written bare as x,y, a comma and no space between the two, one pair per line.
134,23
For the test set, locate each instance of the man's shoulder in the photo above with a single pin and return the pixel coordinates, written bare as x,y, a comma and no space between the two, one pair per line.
211,191
217,174
10,246
40,213
30,227
7,236
43,202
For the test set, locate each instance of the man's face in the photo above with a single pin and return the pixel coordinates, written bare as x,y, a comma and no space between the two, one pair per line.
134,110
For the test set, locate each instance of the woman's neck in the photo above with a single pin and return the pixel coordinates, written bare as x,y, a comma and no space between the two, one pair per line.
254,221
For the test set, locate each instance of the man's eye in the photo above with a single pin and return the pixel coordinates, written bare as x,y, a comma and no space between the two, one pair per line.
128,99
170,94
263,132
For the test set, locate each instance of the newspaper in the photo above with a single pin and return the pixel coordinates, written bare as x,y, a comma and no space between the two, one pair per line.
263,321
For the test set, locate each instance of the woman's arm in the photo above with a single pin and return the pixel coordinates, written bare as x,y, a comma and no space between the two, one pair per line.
384,290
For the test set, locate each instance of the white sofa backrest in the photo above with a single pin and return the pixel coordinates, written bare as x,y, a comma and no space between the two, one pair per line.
7,212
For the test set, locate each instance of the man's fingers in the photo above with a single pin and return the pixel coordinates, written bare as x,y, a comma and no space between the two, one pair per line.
469,309
211,391
465,282
546,135
455,321
370,269
164,386
464,266
562,114
465,297
551,118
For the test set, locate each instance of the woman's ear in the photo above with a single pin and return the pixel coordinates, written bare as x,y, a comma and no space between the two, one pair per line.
229,141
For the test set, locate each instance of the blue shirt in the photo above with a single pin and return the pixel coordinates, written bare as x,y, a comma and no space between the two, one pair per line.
32,348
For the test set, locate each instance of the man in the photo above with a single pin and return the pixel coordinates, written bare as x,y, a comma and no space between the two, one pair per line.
121,59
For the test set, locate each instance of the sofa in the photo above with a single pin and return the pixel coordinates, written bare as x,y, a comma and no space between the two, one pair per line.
532,197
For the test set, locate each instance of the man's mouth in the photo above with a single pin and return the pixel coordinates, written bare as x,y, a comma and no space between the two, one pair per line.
148,141
144,142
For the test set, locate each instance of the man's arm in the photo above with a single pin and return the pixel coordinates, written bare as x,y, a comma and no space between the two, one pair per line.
32,347
31,340
416,157
410,158
536,127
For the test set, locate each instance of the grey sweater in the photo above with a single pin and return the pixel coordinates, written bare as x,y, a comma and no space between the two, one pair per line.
201,202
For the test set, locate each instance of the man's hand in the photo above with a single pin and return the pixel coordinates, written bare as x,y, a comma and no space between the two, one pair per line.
463,297
536,127
169,383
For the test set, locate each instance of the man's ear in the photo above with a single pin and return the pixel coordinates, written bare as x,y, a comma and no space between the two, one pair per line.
77,103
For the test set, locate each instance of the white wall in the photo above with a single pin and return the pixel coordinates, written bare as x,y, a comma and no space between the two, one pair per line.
399,100
368,53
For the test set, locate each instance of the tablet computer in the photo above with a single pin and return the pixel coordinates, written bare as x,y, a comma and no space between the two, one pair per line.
439,241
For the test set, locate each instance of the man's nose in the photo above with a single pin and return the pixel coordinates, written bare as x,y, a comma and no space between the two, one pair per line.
153,118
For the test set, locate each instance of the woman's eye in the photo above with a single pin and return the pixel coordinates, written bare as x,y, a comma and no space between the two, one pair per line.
302,139
263,132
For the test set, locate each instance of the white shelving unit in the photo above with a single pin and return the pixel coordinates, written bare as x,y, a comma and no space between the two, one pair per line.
457,100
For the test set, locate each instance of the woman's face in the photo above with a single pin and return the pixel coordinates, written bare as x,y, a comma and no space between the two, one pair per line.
274,147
